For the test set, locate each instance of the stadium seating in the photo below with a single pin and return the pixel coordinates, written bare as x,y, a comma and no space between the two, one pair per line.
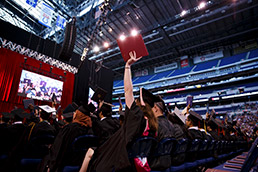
142,79
221,65
206,65
232,59
181,71
242,163
253,54
37,148
161,75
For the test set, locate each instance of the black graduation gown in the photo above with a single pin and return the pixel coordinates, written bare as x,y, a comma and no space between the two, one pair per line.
112,155
179,132
14,132
43,128
106,128
60,152
206,136
166,128
3,136
214,135
195,134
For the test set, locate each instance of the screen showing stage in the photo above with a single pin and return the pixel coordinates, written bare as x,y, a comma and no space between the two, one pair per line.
36,86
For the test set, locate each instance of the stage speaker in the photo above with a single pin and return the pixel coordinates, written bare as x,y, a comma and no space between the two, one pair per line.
69,41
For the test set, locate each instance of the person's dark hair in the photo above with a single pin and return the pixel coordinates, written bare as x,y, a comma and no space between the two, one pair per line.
211,125
106,110
147,111
44,115
194,121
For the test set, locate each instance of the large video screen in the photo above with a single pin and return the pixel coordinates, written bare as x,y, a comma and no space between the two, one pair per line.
36,86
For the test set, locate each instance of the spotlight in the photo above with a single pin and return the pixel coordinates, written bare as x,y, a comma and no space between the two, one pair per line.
122,37
134,32
183,13
96,49
106,44
202,5
110,29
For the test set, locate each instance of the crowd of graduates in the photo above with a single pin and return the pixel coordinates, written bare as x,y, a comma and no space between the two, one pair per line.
146,115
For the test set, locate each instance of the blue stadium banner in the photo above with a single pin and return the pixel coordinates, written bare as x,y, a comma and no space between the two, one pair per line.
46,15
60,21
32,3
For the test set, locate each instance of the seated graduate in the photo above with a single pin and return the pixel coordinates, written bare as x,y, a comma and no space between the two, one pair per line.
68,113
15,131
212,127
203,129
44,127
4,124
61,153
177,118
192,121
107,125
112,155
166,128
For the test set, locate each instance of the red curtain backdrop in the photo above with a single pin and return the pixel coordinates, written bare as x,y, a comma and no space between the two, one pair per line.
10,72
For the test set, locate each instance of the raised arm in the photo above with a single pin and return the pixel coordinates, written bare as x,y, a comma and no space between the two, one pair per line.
128,86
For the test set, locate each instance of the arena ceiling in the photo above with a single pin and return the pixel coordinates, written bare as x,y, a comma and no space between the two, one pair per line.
170,28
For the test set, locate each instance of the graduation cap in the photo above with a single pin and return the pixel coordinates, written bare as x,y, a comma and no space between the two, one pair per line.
179,115
195,117
99,94
18,113
213,123
70,108
132,43
7,116
27,102
85,109
148,97
47,109
68,115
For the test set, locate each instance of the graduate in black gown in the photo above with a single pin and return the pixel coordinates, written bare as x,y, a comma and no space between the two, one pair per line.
15,131
166,128
61,153
4,124
212,127
192,122
44,127
112,155
107,125
206,135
